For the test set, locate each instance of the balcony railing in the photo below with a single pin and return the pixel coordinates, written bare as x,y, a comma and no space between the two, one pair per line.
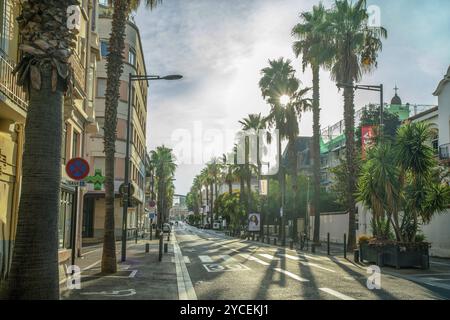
444,152
8,83
79,72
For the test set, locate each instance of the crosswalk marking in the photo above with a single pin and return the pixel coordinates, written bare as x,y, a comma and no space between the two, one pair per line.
268,256
290,274
205,259
186,259
313,258
336,294
252,258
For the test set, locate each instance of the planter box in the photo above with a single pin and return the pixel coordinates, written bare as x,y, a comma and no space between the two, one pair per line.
396,255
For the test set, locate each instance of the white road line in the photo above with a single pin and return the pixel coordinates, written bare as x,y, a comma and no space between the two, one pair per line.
440,263
309,264
313,258
268,256
252,258
186,259
336,294
227,258
205,259
185,288
92,265
289,256
290,274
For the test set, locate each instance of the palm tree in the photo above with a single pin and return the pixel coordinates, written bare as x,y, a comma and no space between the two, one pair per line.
279,80
44,71
163,162
114,69
312,46
228,174
354,49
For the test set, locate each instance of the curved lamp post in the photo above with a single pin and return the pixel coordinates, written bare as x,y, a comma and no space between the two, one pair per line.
126,196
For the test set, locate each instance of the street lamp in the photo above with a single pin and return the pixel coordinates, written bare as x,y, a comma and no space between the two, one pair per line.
126,195
378,88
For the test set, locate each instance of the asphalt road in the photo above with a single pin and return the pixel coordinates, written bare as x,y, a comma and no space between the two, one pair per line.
222,268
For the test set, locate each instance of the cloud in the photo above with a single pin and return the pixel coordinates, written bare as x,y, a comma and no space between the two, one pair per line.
221,46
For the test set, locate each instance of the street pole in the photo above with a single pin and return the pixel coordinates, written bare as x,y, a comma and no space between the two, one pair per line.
381,112
126,182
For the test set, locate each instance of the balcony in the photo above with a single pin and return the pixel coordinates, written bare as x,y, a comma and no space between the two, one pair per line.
79,74
8,83
444,152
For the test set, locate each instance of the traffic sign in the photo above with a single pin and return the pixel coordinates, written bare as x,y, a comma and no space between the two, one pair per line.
152,203
77,168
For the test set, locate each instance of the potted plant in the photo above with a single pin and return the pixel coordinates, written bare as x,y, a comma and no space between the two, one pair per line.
398,183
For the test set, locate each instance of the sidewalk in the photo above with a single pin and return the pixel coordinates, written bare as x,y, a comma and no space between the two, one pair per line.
140,277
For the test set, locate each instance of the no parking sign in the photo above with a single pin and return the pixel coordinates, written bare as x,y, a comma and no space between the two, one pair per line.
77,168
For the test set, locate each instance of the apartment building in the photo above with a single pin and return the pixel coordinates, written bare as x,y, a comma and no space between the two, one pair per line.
79,119
94,203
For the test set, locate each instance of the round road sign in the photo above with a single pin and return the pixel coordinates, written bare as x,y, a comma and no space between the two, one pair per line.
77,168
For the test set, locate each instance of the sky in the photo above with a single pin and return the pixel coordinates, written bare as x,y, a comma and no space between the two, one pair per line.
220,48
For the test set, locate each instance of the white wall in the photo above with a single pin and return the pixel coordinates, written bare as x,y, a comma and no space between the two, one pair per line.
444,115
438,234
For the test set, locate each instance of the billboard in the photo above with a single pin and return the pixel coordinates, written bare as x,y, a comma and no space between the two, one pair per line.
254,222
367,136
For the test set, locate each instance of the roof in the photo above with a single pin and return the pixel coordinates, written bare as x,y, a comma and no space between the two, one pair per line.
442,83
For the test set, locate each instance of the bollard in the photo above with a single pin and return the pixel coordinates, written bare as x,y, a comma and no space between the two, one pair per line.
291,244
313,248
147,247
345,246
160,248
274,241
168,237
328,243
356,255
253,236
166,247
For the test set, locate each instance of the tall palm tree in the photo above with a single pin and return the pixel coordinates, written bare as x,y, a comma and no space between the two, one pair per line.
228,174
355,49
114,69
163,162
279,80
312,46
44,71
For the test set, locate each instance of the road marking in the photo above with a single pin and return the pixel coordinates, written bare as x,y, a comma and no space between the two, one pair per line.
215,267
440,263
336,294
252,258
289,256
205,259
132,274
185,288
268,256
186,259
312,257
290,274
309,264
226,257
92,265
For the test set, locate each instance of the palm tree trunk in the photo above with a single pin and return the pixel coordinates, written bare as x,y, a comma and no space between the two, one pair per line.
349,119
212,206
114,69
294,190
316,153
34,270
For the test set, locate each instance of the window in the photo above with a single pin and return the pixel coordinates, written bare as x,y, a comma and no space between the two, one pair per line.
94,16
132,57
101,87
75,141
104,47
104,3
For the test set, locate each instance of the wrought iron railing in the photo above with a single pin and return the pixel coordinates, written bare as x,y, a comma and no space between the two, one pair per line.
8,83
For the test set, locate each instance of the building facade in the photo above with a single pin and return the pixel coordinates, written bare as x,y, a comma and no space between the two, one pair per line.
94,203
79,119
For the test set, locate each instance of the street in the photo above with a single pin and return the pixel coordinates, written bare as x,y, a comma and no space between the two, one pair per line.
223,268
